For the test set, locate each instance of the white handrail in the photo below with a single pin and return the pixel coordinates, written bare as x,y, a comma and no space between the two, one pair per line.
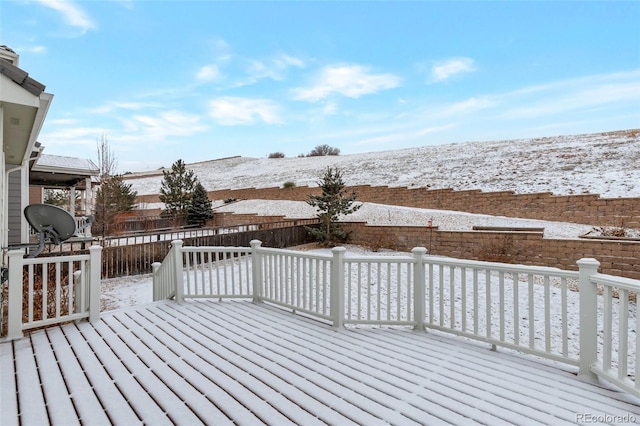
618,360
513,306
51,290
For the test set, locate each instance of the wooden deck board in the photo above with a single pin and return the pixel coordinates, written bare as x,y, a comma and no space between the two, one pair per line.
140,401
81,392
8,391
56,395
30,396
408,377
209,362
352,385
246,352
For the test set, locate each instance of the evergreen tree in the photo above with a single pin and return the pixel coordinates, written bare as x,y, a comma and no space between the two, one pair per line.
176,189
57,197
333,203
200,209
112,197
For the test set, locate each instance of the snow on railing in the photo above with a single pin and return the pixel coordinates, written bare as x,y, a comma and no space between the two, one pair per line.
527,308
613,354
58,289
296,280
220,272
164,274
514,306
379,290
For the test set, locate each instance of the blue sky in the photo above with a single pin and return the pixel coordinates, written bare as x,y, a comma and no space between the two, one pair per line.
199,80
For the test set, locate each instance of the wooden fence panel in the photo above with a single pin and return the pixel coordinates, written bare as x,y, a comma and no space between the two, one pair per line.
135,259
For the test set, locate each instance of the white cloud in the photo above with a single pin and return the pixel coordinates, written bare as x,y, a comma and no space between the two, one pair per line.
412,136
208,73
575,95
115,105
233,111
72,13
35,49
149,129
471,105
351,81
446,69
274,68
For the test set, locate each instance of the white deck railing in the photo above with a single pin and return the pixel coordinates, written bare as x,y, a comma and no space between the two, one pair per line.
513,306
58,289
619,357
526,308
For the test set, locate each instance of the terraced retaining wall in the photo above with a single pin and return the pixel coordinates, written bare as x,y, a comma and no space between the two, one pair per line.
588,209
617,257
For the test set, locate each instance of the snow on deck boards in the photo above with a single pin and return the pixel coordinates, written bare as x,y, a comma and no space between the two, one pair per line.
219,363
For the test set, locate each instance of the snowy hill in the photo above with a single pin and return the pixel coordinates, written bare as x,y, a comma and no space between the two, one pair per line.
604,163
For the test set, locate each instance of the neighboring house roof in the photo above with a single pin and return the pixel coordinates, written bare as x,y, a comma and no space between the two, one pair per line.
84,165
56,170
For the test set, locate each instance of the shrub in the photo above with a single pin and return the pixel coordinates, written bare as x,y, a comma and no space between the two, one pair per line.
289,184
322,150
230,200
276,155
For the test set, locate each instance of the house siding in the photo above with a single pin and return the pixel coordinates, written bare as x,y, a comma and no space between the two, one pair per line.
36,194
14,214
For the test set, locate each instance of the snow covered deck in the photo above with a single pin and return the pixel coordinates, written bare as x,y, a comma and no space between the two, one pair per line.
245,363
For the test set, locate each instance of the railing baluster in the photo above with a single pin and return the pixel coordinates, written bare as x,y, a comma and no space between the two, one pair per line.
430,280
70,288
58,288
379,289
388,292
360,289
487,283
202,272
516,308
623,333
475,301
452,297
463,280
637,357
305,284
547,314
532,329
564,319
441,295
45,288
501,309
399,292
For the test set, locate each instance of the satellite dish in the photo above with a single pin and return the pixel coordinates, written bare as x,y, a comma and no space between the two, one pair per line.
52,224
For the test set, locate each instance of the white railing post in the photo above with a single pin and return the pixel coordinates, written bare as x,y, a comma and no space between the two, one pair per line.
77,292
95,275
14,320
418,287
256,269
588,319
178,268
155,280
337,286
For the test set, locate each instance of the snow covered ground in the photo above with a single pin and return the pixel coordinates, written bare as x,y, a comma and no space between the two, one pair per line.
381,214
605,163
